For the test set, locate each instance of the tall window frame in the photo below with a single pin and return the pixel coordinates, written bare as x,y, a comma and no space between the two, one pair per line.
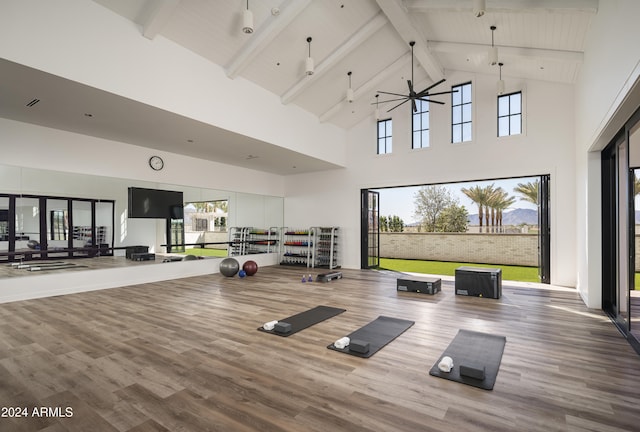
510,114
420,125
385,136
461,113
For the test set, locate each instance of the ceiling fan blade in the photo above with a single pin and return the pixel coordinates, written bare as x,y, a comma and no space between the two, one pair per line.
391,100
413,105
431,101
410,84
432,86
393,94
439,93
403,102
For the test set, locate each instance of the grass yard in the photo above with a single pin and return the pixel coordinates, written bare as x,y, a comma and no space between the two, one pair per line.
513,273
205,252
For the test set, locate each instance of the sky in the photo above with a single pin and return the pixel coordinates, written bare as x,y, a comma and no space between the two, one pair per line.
400,201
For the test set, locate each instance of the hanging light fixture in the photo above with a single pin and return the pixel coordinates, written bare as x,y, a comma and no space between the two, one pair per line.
309,63
377,112
500,81
247,20
349,90
479,8
493,51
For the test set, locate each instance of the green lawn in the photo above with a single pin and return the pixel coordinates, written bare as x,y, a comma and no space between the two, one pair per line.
513,273
205,252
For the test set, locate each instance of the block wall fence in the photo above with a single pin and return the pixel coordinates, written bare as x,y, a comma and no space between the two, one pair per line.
506,249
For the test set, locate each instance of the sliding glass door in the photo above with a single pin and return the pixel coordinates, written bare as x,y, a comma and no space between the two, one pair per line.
620,205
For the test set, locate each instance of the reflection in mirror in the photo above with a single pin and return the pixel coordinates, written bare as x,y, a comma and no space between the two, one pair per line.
28,227
104,227
113,227
81,222
4,225
57,225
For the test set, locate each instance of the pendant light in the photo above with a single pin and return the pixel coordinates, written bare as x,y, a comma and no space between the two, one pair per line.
500,82
479,8
247,20
349,90
493,51
309,63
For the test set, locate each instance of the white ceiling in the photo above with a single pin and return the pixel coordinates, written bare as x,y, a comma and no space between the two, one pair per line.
536,39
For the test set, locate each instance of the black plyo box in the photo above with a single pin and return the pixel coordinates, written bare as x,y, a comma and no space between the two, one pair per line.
419,284
131,250
143,257
479,282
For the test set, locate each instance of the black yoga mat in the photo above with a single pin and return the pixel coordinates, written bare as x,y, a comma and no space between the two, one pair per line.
306,319
470,348
377,333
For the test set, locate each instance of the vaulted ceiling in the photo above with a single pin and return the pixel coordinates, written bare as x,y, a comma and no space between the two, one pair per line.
539,40
542,40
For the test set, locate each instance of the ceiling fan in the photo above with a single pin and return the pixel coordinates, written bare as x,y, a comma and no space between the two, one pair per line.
423,95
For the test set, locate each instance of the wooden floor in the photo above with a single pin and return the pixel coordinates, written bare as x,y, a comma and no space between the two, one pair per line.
186,355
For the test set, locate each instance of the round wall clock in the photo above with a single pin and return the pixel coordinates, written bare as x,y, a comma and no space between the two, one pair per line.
156,163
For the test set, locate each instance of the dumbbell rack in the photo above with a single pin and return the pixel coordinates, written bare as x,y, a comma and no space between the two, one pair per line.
297,247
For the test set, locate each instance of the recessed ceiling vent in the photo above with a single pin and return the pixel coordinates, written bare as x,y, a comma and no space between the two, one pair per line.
33,102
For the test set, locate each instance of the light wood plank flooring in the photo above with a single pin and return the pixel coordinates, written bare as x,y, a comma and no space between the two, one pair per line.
185,355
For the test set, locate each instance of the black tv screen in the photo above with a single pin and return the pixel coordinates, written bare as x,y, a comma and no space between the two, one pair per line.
155,204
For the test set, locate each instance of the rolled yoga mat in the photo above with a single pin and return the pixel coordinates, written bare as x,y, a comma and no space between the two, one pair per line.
305,319
474,354
376,334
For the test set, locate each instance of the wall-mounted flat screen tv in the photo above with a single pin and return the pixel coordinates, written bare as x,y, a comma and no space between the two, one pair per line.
155,204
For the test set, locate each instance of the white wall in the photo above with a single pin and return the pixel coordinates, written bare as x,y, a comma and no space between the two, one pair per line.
605,97
26,145
546,147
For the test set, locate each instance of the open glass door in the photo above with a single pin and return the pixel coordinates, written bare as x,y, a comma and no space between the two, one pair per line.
544,241
370,229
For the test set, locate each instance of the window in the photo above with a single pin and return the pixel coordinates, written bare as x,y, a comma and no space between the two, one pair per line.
420,125
384,136
510,114
461,113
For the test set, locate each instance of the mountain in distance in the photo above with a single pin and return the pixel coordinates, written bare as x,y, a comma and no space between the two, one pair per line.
514,217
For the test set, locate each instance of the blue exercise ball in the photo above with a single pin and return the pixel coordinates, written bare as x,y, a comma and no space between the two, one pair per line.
242,273
229,267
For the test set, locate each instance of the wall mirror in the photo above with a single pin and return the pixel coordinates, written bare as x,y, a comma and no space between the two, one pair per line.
110,200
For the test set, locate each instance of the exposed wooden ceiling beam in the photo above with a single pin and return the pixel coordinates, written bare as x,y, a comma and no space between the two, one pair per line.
471,49
289,10
157,15
506,6
401,21
360,36
369,88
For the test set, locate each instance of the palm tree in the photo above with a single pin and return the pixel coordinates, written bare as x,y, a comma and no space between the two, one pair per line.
502,204
529,191
478,195
496,195
490,214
